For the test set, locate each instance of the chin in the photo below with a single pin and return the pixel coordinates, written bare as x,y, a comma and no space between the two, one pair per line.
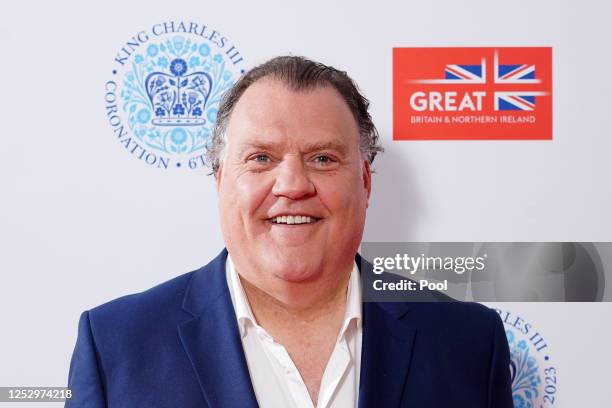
294,270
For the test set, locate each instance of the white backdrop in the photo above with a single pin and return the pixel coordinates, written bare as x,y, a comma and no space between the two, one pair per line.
83,222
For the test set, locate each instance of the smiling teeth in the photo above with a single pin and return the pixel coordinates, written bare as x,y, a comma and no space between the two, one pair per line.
293,219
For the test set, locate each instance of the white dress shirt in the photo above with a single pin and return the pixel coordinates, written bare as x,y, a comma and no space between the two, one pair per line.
275,379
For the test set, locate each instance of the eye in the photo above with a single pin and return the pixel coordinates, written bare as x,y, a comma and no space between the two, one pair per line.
260,158
323,159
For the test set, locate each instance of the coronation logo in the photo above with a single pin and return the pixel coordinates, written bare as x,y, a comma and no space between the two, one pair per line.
472,93
162,98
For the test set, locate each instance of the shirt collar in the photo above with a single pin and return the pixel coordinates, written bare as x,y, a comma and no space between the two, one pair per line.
353,301
244,314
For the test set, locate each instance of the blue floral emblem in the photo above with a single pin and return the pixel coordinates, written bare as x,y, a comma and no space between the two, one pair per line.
172,92
524,372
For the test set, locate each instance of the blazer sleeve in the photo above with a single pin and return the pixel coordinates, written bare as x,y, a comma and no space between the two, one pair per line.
85,378
500,383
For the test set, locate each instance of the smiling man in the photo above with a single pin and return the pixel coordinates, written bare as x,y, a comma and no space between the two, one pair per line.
277,319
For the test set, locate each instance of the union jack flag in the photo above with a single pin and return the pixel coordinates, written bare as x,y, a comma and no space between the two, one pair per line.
460,74
465,72
514,73
525,101
454,93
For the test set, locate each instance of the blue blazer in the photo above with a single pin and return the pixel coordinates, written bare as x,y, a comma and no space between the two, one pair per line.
178,345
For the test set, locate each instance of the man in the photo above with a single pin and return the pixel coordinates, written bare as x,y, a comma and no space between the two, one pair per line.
276,320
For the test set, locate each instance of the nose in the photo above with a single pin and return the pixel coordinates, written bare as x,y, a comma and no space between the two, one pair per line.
292,179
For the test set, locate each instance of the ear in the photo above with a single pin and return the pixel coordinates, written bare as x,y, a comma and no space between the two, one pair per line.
367,178
218,174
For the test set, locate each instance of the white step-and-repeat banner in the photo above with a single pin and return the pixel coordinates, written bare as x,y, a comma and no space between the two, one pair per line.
494,117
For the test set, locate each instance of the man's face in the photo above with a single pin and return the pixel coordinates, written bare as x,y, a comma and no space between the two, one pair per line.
292,154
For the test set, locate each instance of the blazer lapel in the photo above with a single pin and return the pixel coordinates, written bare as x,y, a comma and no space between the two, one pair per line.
385,357
212,340
387,348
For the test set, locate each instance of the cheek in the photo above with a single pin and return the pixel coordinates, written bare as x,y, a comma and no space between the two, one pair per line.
245,194
344,196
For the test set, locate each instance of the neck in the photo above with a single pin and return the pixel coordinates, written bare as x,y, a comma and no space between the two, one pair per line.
302,301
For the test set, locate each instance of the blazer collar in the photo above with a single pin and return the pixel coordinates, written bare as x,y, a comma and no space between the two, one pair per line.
212,341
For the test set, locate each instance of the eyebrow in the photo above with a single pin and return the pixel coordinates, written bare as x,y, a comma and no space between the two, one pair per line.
256,144
335,144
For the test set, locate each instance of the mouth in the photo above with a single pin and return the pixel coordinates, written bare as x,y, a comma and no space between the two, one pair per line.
293,219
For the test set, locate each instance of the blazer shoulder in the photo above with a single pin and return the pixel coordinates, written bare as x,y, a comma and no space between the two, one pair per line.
463,317
162,295
468,309
165,303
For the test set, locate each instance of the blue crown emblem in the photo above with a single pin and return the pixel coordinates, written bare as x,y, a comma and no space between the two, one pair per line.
170,95
177,98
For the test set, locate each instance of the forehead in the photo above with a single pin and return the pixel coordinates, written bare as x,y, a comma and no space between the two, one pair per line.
270,110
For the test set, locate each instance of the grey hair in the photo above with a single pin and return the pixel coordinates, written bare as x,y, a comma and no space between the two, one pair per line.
300,74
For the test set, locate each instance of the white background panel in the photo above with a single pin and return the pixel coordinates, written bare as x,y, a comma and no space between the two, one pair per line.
83,222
